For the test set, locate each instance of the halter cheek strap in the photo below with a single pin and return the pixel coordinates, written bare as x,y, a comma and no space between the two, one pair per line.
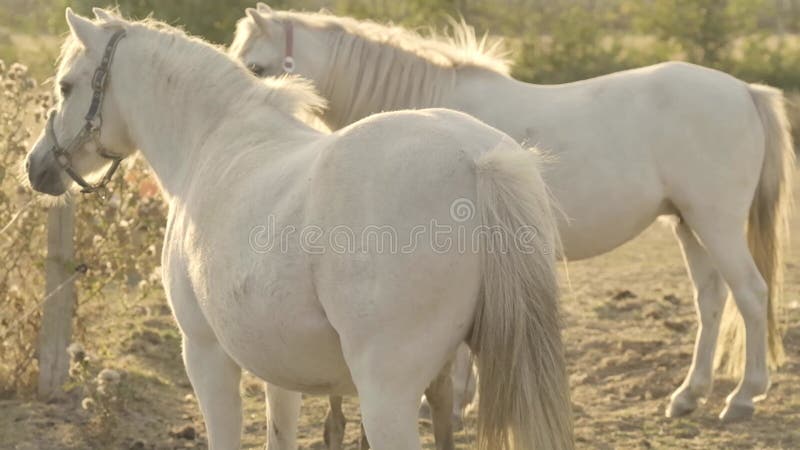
288,60
91,128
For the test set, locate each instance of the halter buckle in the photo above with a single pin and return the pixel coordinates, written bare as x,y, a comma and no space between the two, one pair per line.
94,123
102,191
63,159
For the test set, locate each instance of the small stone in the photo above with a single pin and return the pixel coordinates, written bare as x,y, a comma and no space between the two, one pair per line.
188,432
625,294
678,327
687,434
151,336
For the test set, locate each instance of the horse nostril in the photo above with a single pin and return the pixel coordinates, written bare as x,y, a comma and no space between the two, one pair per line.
27,164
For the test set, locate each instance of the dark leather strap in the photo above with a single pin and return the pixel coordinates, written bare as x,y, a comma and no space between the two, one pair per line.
100,77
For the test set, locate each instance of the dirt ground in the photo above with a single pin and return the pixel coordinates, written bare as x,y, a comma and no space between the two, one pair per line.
630,328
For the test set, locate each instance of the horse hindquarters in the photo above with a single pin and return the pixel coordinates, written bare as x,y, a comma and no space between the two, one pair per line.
524,394
750,265
768,230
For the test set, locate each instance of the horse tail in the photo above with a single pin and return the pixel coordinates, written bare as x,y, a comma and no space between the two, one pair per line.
516,337
767,231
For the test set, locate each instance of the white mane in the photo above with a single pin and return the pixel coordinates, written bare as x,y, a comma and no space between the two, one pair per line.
399,68
460,49
291,95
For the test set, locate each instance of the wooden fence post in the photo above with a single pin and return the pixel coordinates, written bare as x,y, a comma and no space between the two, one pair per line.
55,332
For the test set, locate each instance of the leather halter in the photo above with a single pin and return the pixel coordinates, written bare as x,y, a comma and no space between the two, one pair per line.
91,129
288,60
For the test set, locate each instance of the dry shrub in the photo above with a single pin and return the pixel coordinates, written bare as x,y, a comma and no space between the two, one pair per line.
118,238
22,237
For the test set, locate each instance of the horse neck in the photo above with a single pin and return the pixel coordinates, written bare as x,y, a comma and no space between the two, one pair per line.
176,111
359,82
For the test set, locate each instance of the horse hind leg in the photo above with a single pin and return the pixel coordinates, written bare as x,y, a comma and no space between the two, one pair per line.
464,385
389,417
464,382
710,292
388,393
335,423
727,246
440,396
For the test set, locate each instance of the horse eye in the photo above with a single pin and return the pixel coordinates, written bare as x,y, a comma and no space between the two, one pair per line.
257,70
65,89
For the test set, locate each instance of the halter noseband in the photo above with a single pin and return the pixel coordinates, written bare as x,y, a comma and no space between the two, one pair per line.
288,60
91,129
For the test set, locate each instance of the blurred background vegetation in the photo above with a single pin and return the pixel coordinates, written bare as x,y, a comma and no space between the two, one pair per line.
552,40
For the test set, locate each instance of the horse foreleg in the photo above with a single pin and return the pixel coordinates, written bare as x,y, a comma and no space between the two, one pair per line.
283,410
335,423
710,293
214,375
215,378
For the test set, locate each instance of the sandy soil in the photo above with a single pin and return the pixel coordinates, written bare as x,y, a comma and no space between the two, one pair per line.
630,328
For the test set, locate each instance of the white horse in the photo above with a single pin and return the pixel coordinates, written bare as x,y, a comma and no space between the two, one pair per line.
671,139
269,264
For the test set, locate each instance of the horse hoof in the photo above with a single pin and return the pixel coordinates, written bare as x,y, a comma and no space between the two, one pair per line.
737,413
680,406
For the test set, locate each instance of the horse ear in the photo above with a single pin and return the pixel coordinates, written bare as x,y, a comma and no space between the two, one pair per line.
263,8
262,22
104,15
84,29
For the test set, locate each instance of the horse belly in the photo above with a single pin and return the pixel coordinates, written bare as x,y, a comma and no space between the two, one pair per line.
286,341
604,212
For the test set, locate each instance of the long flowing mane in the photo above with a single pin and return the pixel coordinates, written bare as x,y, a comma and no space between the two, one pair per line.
171,46
376,67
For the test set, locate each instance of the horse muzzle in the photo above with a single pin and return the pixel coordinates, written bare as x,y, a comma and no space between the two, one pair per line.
45,175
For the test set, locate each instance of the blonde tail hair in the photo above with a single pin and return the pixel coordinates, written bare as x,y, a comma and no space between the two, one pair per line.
522,380
767,232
